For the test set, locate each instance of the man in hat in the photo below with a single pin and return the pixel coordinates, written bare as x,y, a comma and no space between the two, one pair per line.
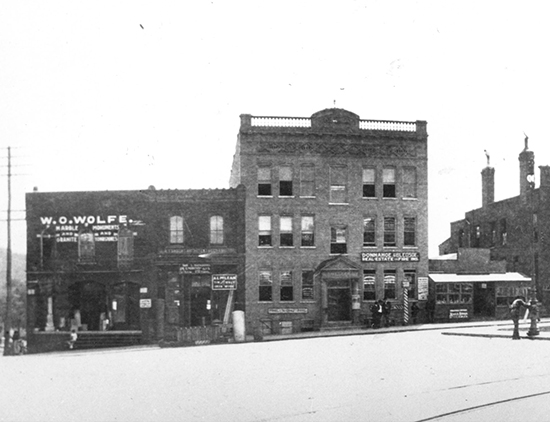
515,309
534,316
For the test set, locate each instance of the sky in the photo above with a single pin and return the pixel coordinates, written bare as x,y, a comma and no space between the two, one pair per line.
127,94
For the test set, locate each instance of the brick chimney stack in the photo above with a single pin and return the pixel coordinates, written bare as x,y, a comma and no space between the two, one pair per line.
487,186
526,171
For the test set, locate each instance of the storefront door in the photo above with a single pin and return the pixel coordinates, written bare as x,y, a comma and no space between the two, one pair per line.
339,304
484,299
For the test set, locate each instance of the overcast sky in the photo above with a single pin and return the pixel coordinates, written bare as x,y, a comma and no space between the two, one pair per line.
126,94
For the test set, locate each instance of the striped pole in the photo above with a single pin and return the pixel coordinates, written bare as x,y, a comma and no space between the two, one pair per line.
405,306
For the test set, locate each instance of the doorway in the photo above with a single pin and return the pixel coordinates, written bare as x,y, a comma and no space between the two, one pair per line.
484,300
339,304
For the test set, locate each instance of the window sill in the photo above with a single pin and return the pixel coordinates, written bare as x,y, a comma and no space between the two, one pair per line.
308,197
286,196
338,203
287,302
308,247
410,199
308,301
287,247
410,247
265,196
265,247
369,246
391,198
369,198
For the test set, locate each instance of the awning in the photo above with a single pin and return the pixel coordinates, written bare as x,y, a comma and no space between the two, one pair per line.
479,278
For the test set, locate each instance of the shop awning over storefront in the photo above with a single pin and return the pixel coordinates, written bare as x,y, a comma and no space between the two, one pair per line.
479,278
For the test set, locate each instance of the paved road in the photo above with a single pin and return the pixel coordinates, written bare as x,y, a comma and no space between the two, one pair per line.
407,376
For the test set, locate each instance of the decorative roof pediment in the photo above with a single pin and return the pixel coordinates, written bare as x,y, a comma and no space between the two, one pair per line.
335,118
339,263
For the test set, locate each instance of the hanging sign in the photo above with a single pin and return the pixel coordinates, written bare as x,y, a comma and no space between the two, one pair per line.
143,303
224,281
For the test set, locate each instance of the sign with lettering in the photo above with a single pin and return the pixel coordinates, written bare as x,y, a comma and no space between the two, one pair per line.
145,303
224,281
103,228
195,269
390,256
458,313
287,311
422,288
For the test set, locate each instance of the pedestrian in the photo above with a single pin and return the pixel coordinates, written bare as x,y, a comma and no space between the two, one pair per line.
515,309
414,312
430,309
17,345
534,316
8,344
375,316
386,312
72,339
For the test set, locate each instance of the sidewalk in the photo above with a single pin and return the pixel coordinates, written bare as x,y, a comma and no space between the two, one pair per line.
501,328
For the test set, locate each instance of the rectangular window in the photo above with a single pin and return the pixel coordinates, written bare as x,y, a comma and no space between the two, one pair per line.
338,243
369,231
389,284
285,181
338,185
388,182
176,229
266,286
125,246
410,276
307,285
216,230
287,288
389,231
264,181
308,230
409,231
409,182
86,247
264,229
285,231
369,183
477,236
307,180
369,285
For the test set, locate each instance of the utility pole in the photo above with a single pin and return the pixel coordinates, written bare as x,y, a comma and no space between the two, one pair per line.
7,320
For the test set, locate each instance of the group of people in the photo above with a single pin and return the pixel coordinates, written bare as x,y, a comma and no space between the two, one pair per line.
14,345
381,312
515,311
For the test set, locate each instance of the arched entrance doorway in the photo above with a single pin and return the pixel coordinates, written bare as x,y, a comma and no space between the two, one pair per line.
339,279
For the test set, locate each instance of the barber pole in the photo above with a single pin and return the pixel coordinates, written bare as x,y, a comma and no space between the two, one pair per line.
405,302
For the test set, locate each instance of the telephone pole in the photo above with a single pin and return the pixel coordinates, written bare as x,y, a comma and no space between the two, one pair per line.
7,320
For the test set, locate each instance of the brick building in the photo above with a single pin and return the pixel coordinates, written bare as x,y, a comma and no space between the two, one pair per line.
516,230
336,217
131,263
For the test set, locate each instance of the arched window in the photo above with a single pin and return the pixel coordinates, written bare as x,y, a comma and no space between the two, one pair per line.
176,229
86,246
216,230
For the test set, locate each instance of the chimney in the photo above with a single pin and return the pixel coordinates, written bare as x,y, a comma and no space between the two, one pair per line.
487,186
544,183
526,171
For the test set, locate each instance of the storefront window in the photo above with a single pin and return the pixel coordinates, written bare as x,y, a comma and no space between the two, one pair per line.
453,293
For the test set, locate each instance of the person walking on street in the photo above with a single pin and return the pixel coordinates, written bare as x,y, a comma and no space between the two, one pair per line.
386,311
534,316
376,311
414,312
515,309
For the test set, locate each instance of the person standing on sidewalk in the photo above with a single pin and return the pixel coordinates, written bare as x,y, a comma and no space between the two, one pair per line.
515,309
534,316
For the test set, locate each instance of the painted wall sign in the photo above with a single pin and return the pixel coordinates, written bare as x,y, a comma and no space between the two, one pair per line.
104,228
390,256
224,281
145,303
195,269
287,311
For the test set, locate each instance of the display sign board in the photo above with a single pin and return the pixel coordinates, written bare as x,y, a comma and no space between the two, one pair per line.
390,256
422,288
224,281
458,314
145,303
287,311
195,269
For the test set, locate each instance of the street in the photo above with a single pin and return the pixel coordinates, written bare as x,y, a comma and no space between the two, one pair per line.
408,376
